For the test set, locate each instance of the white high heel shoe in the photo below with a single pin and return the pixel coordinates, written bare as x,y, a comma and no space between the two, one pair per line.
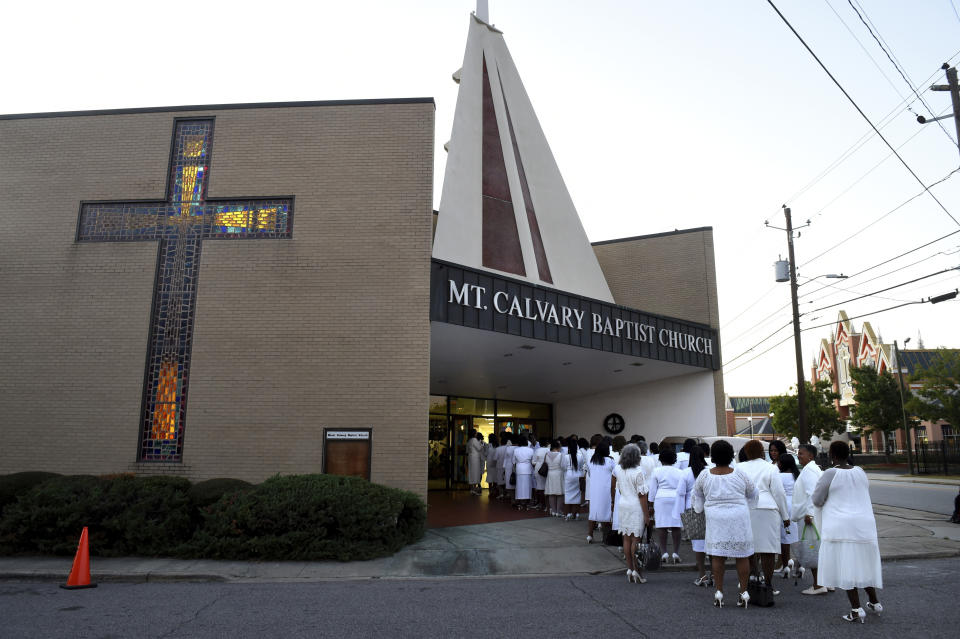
718,599
855,614
743,600
875,608
638,579
676,558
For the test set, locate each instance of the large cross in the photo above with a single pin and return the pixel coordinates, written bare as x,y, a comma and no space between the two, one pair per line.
180,223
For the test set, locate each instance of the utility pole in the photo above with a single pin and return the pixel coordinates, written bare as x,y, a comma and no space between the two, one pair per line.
903,409
801,385
954,88
802,431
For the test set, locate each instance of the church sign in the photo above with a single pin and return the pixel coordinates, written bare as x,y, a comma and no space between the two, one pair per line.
477,299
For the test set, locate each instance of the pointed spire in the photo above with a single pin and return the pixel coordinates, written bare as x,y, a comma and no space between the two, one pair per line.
483,10
919,340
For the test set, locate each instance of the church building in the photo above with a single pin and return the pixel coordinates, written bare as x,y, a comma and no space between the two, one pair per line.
251,289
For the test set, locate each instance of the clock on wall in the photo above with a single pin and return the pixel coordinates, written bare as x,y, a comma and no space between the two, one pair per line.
613,424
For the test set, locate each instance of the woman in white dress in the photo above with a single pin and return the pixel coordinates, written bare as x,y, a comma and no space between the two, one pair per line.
570,465
616,446
663,494
474,461
523,467
599,471
770,513
849,554
505,462
628,482
788,476
493,472
539,481
723,493
554,484
696,465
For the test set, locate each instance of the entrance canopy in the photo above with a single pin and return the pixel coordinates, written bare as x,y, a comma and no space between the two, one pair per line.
492,336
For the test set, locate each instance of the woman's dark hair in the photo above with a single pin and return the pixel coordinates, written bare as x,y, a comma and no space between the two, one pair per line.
471,433
840,450
780,446
595,440
810,448
705,447
583,443
667,456
688,444
494,440
619,442
572,451
753,449
554,444
741,456
546,441
721,453
600,454
635,438
697,462
654,447
788,464
479,436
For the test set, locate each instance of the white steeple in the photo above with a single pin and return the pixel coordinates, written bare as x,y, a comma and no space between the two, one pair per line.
504,206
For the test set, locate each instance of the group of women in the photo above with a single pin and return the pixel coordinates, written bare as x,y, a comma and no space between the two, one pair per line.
746,506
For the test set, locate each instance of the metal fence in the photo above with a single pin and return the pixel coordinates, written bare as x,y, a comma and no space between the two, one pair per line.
937,458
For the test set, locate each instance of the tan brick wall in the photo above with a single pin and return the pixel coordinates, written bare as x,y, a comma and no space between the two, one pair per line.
327,329
671,274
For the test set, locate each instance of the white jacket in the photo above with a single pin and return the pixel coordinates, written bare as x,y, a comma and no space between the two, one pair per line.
803,491
766,478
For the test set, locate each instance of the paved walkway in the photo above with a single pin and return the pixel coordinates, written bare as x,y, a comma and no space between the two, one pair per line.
527,547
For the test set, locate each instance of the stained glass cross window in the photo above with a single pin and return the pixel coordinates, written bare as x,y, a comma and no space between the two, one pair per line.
180,223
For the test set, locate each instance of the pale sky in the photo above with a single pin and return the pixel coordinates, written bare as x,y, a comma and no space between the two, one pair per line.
661,115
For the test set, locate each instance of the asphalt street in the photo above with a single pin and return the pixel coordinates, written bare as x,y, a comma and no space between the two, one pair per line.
919,600
932,498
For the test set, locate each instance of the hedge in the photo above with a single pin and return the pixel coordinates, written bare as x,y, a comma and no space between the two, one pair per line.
311,517
12,486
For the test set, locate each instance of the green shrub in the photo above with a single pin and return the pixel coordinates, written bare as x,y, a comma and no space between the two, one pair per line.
12,486
125,515
309,517
206,493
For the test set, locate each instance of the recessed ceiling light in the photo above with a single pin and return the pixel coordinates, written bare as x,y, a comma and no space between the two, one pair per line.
567,363
618,370
636,364
527,347
508,354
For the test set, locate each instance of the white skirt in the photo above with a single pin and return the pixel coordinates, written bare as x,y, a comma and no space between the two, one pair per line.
698,545
663,515
849,564
766,526
539,481
524,485
571,488
630,519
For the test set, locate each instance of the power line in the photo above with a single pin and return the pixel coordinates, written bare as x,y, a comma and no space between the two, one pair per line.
883,290
926,189
862,114
870,27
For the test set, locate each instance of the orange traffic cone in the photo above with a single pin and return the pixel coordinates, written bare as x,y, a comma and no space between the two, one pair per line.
80,573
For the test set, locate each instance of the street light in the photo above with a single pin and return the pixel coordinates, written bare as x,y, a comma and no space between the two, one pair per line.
903,410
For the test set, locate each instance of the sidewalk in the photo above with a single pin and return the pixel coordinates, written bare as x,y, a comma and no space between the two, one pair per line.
914,479
529,547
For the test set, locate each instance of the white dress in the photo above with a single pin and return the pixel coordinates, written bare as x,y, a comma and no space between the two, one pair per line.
790,534
586,454
502,464
598,483
663,493
724,499
554,483
849,554
492,470
630,485
770,511
522,463
474,461
571,480
508,465
539,481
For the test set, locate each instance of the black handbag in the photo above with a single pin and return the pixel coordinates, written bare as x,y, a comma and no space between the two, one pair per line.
513,478
543,470
761,593
649,556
